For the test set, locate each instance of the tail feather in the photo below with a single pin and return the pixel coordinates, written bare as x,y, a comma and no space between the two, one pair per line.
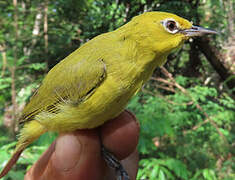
30,132
11,162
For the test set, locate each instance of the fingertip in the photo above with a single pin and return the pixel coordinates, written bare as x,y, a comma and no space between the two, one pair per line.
67,152
131,164
120,135
77,156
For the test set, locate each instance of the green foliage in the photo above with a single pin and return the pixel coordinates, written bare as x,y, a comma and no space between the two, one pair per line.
162,169
184,134
148,112
177,139
29,156
207,174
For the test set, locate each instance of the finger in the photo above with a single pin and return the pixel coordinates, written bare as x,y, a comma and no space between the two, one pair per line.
69,166
130,164
38,168
120,135
77,156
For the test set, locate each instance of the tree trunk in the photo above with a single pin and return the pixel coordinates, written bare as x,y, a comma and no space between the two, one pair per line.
36,30
45,29
230,20
213,56
4,59
192,68
13,72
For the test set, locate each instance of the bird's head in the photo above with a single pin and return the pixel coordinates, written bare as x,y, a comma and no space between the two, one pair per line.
163,32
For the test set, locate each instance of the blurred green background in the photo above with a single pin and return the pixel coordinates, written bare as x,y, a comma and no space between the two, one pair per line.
186,110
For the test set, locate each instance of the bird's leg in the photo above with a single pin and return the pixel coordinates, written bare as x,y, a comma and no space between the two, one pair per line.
113,162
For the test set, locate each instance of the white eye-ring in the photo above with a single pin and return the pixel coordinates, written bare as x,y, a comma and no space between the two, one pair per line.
170,25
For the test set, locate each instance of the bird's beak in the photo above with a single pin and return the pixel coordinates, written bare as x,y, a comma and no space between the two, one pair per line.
197,31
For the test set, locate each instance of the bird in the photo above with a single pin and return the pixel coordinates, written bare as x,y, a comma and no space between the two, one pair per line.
95,82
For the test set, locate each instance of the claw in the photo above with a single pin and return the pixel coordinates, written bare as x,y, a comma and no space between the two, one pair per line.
112,162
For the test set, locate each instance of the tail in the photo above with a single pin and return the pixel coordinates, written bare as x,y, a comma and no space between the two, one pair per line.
12,161
30,132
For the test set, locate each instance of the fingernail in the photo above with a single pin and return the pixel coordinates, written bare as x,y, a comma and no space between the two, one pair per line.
67,152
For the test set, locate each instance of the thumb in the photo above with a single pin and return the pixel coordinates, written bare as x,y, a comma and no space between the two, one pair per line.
77,156
73,155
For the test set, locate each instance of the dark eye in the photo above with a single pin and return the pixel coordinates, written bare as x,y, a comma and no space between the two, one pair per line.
171,25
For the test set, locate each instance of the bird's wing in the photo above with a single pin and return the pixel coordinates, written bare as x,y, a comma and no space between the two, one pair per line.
68,82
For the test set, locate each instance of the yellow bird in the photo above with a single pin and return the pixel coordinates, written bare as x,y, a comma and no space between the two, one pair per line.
96,81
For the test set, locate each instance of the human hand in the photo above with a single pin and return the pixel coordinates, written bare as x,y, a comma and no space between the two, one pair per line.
77,155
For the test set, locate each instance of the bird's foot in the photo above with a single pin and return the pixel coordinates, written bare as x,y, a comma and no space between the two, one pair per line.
113,162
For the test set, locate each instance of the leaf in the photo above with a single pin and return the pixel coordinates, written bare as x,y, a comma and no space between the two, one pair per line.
37,66
209,174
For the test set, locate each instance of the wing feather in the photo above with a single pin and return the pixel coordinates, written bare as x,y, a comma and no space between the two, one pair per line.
69,81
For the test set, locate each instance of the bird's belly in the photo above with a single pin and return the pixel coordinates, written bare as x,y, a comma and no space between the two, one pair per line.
107,102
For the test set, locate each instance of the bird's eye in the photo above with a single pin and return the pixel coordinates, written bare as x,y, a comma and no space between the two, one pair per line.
171,25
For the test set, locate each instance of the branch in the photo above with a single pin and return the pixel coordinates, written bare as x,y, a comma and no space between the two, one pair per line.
208,118
165,88
4,59
213,56
165,99
196,126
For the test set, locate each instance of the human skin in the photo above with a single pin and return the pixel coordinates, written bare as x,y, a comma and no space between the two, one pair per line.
77,155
